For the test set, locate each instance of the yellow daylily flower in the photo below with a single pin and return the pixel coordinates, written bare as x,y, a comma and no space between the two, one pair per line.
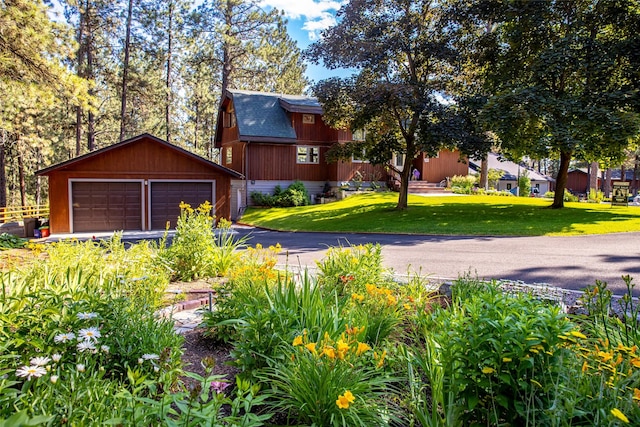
578,334
362,347
297,341
619,415
488,370
311,347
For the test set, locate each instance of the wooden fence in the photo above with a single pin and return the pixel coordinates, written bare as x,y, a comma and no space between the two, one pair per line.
18,213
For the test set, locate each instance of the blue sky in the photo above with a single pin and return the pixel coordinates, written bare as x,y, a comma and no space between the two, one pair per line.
307,18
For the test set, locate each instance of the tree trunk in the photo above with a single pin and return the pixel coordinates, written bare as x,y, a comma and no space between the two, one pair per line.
593,177
405,176
484,173
125,72
607,183
167,111
635,175
3,170
623,173
21,175
226,49
81,73
91,119
561,180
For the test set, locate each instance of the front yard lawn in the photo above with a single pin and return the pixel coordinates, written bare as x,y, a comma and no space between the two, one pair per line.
447,215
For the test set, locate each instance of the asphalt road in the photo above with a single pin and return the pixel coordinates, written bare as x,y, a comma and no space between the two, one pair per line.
567,262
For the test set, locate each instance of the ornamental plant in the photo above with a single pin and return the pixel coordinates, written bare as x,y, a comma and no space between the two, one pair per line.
331,382
349,269
191,252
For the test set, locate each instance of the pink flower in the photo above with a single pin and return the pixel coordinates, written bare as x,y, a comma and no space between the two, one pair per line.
218,386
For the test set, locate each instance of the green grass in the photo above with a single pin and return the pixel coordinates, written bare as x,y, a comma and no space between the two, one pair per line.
445,215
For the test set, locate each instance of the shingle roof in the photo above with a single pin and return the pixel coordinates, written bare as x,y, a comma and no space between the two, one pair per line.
264,115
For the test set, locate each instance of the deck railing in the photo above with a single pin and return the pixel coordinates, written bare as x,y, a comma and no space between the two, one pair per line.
18,213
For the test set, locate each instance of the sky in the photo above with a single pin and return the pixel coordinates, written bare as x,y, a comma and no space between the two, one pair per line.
306,20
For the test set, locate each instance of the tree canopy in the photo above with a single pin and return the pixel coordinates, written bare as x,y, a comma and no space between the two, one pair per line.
403,57
558,78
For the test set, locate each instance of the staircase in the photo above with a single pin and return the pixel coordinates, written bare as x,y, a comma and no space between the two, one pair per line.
423,187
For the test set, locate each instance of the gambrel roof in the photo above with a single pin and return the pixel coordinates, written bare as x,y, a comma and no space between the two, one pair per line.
262,116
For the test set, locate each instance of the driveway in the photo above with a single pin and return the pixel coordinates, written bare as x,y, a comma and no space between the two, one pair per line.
568,262
572,262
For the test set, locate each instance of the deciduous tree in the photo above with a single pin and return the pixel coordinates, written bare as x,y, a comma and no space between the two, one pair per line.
402,53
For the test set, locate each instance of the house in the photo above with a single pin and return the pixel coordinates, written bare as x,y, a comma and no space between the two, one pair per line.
274,139
136,184
511,171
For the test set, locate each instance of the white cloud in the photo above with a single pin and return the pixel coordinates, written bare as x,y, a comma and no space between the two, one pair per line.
317,15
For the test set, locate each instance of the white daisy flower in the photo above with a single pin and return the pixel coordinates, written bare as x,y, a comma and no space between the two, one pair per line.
53,379
156,369
140,361
150,356
56,357
87,316
40,361
31,372
86,346
67,336
89,334
104,348
80,367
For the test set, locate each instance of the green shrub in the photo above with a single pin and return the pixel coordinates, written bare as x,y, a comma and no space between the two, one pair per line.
499,357
463,184
524,184
595,196
295,195
568,197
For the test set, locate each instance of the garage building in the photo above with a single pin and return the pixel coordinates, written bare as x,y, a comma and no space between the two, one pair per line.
136,184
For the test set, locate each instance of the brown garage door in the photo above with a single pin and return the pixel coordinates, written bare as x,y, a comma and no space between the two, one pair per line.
106,206
166,198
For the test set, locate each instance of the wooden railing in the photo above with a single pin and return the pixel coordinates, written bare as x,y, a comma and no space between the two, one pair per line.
18,213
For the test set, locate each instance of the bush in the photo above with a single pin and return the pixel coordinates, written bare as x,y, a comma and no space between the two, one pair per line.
295,195
568,197
499,357
524,184
463,184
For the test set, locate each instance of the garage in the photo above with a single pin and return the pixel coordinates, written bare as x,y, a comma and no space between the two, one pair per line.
106,206
167,196
134,185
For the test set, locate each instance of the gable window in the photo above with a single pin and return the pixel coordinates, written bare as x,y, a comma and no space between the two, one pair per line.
308,119
228,119
307,154
228,155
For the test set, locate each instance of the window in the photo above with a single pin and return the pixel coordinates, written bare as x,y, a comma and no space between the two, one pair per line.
228,119
307,155
360,157
229,155
308,119
358,135
398,160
